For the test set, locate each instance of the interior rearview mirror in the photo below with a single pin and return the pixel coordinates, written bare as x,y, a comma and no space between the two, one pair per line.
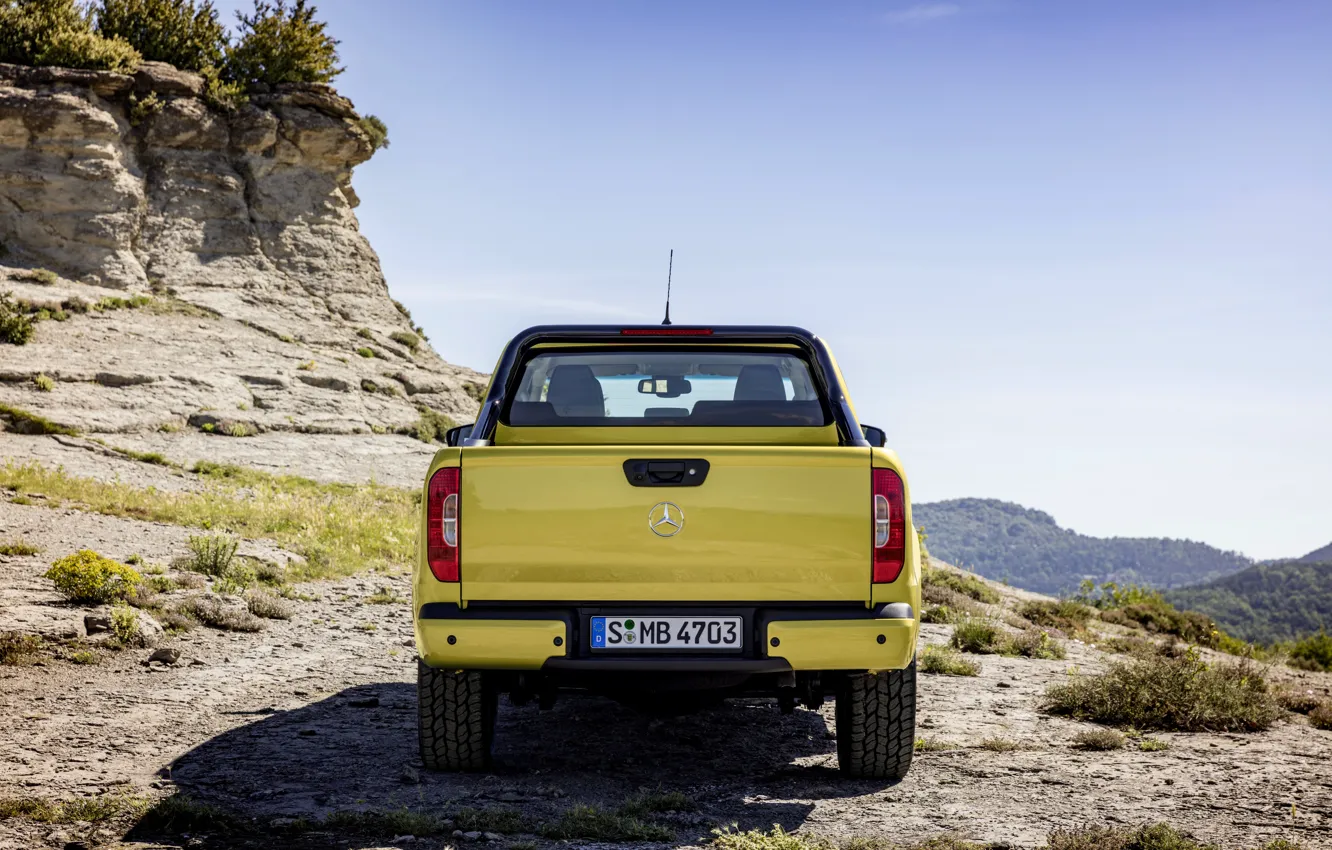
455,436
672,386
876,436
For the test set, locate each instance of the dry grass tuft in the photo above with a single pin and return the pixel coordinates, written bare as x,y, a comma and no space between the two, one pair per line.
18,649
1175,694
947,662
1099,739
261,603
339,529
212,611
18,548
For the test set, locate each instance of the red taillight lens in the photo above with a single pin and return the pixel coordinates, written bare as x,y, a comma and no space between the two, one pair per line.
442,524
889,512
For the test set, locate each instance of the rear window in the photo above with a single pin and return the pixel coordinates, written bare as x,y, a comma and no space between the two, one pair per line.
700,387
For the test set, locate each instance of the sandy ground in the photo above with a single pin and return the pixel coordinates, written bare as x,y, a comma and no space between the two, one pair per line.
317,715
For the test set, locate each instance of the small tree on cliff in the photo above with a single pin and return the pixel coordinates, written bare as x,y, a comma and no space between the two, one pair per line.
187,35
283,44
58,32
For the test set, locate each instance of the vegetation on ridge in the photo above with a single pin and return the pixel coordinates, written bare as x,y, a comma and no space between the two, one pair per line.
1266,602
279,42
1027,548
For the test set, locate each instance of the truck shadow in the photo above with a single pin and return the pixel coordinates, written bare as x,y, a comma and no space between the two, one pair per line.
742,762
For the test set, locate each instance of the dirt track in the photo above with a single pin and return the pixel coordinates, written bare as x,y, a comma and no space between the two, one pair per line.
316,715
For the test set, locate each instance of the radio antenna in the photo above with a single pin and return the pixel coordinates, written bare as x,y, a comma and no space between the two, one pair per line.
669,268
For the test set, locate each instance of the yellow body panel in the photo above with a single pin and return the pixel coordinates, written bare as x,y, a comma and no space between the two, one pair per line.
562,523
843,644
490,644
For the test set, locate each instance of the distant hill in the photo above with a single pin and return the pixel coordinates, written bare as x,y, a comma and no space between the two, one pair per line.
1266,602
1319,556
1027,548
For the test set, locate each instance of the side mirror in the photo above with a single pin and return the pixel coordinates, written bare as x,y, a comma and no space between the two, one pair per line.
455,436
876,436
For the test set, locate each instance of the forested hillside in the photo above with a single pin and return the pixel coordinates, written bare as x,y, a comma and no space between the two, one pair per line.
1266,602
1319,556
1027,548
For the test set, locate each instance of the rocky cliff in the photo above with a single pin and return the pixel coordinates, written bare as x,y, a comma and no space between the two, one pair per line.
197,269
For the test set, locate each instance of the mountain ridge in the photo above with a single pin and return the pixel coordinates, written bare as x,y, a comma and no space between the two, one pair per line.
1027,547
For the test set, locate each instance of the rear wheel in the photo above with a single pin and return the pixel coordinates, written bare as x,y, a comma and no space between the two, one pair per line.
876,723
456,718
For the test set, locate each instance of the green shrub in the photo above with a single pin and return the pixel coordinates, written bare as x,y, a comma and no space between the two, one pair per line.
143,108
18,649
1321,717
211,554
999,745
941,659
1152,745
967,585
125,625
1064,614
222,93
235,579
375,128
281,43
410,341
1312,653
16,327
44,383
1035,643
431,425
180,32
366,351
364,333
980,636
1175,694
87,577
58,32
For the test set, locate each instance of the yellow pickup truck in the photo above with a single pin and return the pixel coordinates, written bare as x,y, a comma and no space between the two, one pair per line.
668,516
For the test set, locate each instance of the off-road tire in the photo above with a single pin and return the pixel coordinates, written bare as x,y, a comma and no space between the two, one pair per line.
455,718
876,723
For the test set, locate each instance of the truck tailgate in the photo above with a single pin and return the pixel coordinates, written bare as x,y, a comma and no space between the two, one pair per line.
563,523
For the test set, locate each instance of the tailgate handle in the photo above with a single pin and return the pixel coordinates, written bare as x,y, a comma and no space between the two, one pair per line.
666,473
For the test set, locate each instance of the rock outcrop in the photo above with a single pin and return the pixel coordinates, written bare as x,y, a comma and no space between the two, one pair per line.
200,268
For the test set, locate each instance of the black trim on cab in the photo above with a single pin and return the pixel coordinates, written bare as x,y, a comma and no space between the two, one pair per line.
824,373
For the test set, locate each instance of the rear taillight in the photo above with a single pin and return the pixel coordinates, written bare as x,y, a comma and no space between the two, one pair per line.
442,523
889,507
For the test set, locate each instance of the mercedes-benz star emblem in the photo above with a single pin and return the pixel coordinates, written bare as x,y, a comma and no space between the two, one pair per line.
665,519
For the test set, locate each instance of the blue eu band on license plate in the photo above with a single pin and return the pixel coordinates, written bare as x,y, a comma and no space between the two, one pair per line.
630,633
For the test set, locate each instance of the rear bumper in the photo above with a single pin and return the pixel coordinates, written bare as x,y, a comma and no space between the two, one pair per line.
780,639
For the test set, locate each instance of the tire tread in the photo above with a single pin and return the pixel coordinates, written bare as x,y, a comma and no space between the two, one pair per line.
876,724
455,719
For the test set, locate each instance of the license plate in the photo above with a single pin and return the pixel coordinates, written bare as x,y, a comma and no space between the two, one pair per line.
668,633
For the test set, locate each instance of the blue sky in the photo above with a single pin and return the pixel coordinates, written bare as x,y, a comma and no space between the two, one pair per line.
1076,255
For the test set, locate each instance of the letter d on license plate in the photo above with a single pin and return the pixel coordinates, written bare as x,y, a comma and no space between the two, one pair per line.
631,633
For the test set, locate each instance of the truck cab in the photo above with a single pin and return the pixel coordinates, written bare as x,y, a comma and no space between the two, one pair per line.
668,516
